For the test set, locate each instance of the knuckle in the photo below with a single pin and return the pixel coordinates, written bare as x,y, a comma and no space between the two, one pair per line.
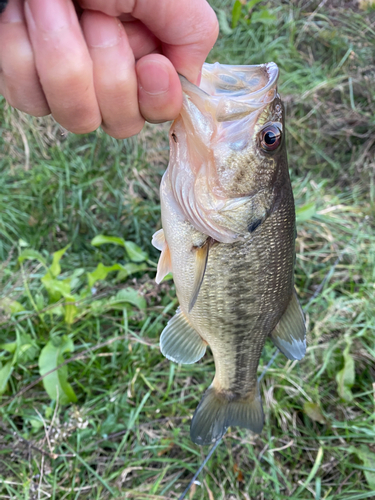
69,78
28,98
28,102
124,132
214,32
81,128
210,29
163,110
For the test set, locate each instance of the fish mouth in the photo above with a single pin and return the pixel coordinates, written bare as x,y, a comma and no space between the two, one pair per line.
233,91
217,122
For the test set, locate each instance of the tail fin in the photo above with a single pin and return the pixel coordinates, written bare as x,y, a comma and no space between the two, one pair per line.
215,414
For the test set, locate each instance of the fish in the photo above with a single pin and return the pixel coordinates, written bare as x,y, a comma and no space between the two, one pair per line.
228,238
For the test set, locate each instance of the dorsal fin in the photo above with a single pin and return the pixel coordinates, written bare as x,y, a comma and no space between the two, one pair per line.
201,257
289,334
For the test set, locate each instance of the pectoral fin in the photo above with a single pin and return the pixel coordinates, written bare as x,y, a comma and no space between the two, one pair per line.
158,239
201,257
289,334
179,341
165,262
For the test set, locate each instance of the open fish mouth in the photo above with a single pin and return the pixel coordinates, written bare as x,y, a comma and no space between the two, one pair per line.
218,121
233,91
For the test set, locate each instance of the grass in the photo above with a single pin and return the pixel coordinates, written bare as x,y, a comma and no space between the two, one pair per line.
127,436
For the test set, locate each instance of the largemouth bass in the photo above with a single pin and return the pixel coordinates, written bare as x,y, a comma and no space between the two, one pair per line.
228,237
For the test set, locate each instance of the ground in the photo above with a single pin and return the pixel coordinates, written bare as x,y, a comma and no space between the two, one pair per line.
119,425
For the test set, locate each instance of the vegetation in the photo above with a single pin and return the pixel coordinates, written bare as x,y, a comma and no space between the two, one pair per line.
117,426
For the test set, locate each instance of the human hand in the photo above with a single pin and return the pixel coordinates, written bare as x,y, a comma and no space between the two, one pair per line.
116,66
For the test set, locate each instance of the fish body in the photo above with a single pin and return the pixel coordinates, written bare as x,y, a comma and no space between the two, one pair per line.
228,237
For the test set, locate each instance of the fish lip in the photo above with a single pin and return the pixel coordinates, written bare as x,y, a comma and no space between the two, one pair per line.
233,90
190,87
273,76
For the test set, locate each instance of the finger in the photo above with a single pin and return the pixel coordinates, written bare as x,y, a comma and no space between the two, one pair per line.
114,74
19,81
159,94
141,40
63,63
187,28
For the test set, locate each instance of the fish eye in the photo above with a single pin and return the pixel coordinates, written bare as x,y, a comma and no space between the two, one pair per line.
270,138
174,137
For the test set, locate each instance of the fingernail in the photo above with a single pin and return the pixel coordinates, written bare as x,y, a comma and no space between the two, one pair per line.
153,78
48,15
103,31
13,13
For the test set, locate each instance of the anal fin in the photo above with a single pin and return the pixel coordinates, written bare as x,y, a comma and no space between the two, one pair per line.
179,341
289,334
201,257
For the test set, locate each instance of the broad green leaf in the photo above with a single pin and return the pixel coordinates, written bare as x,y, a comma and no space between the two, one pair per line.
263,16
9,346
236,13
56,383
30,254
55,268
345,377
58,310
75,277
101,239
71,311
101,272
129,269
39,301
167,277
27,348
132,268
36,424
306,212
368,458
223,22
5,373
135,252
56,288
26,352
11,306
130,296
252,3
314,412
24,348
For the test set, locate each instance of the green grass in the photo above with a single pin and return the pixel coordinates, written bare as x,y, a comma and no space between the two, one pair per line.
127,436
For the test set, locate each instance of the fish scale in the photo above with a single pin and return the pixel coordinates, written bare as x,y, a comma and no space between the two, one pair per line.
250,287
228,237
